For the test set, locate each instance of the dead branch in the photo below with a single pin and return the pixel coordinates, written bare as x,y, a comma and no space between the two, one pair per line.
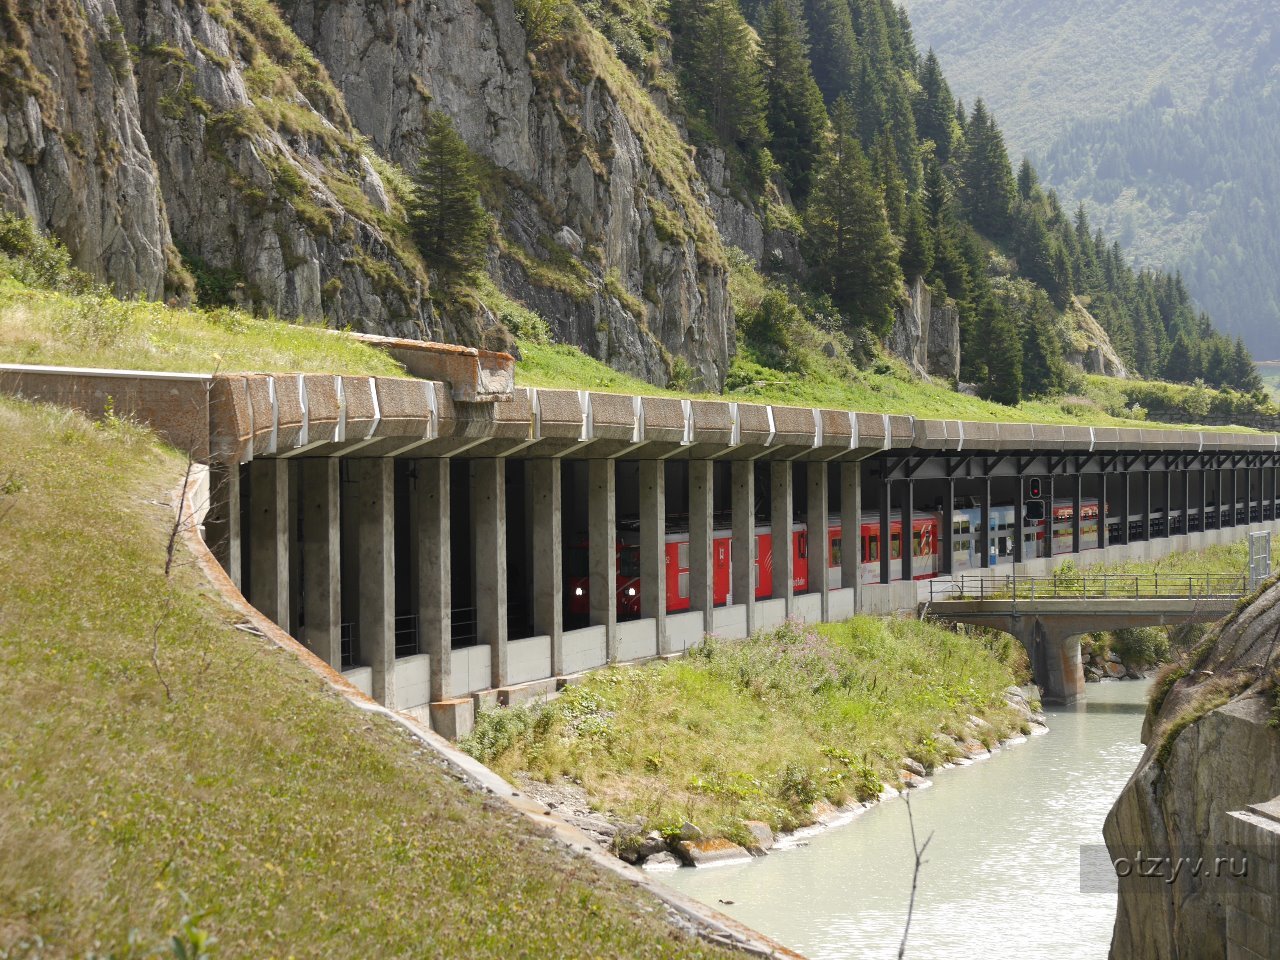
918,849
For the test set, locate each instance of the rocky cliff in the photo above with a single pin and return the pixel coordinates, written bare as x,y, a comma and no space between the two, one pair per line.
926,334
161,139
1087,346
1212,749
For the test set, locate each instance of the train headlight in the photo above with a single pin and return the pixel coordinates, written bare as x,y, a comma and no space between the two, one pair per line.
631,591
577,591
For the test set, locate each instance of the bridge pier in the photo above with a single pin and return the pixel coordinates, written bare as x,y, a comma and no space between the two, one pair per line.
1056,663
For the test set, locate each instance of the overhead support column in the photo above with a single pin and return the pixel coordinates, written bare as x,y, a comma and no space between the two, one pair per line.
886,523
851,530
744,539
1103,536
1248,495
602,547
269,535
1148,511
489,516
1124,508
435,572
653,548
780,483
948,528
546,504
1234,494
819,539
1076,507
984,520
908,539
321,550
222,521
1048,521
702,594
1019,518
1168,504
375,551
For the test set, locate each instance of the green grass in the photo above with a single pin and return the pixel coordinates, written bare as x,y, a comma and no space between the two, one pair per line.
762,728
254,802
93,330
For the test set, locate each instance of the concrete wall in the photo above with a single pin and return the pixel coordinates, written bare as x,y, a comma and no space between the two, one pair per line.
1253,912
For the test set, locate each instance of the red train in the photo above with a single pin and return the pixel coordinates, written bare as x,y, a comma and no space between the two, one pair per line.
925,546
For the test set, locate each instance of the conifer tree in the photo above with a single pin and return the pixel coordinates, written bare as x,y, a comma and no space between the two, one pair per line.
892,185
795,113
836,58
988,181
917,244
935,108
1004,354
446,219
852,252
716,55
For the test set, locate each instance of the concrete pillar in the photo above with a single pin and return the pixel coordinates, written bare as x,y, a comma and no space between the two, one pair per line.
886,523
1048,518
1019,519
222,521
744,538
819,539
489,521
851,530
1168,503
269,535
1148,507
321,550
984,520
546,505
1233,494
602,547
1124,507
435,572
653,547
948,544
908,514
375,548
702,594
1076,507
780,495
1056,664
1103,534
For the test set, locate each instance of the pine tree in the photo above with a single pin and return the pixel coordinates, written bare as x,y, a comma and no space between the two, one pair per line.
1028,182
715,53
852,252
988,190
1244,375
795,113
892,185
917,244
1004,354
935,108
836,58
446,218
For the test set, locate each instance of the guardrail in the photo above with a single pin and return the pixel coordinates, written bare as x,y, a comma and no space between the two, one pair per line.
1085,587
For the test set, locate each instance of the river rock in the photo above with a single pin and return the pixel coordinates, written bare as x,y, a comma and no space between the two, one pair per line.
701,853
1092,674
914,766
1115,671
662,861
761,835
689,832
1113,657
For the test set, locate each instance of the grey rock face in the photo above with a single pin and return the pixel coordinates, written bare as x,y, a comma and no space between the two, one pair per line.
926,335
1219,759
571,161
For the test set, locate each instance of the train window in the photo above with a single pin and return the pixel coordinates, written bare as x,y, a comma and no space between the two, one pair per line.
895,546
682,583
629,562
872,551
802,545
917,544
682,555
835,551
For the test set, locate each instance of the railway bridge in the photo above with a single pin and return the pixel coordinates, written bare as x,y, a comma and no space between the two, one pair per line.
451,539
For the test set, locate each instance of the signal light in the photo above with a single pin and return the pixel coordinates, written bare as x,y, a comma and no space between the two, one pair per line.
1033,486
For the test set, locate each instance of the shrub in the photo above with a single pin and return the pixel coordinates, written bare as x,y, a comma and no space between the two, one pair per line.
38,261
1141,646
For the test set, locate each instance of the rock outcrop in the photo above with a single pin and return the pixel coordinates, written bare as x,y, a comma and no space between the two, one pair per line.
926,334
1088,347
1212,749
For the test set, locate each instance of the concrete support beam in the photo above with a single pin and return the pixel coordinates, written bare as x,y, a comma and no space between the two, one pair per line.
546,505
1076,507
1019,519
375,545
819,539
908,512
1103,511
1168,503
886,532
948,527
321,550
780,488
744,539
1148,506
653,548
602,547
269,538
984,520
489,519
222,522
851,530
1048,519
1056,664
435,571
701,541
1123,508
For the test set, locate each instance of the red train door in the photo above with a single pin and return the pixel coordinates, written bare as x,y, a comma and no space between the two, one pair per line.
800,560
721,581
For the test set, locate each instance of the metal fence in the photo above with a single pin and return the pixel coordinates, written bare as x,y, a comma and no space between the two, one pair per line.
1082,586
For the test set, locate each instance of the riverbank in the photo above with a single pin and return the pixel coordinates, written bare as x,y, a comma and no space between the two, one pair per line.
713,755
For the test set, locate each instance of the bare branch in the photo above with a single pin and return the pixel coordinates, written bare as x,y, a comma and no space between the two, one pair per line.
918,849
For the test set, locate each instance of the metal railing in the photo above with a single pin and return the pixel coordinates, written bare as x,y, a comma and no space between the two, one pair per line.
1082,586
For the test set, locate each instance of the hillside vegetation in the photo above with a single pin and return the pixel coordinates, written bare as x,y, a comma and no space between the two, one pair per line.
176,786
1159,116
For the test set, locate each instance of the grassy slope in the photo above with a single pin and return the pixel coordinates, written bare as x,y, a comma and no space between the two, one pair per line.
757,729
304,827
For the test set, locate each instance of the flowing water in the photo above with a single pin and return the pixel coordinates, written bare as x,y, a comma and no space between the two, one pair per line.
1002,877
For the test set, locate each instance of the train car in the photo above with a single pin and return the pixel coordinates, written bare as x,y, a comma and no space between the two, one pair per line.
966,539
926,546
1064,524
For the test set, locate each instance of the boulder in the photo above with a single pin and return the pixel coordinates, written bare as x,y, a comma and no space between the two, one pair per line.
761,835
1115,671
914,766
702,853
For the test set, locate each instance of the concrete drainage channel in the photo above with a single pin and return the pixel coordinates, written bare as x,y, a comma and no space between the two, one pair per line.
683,912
